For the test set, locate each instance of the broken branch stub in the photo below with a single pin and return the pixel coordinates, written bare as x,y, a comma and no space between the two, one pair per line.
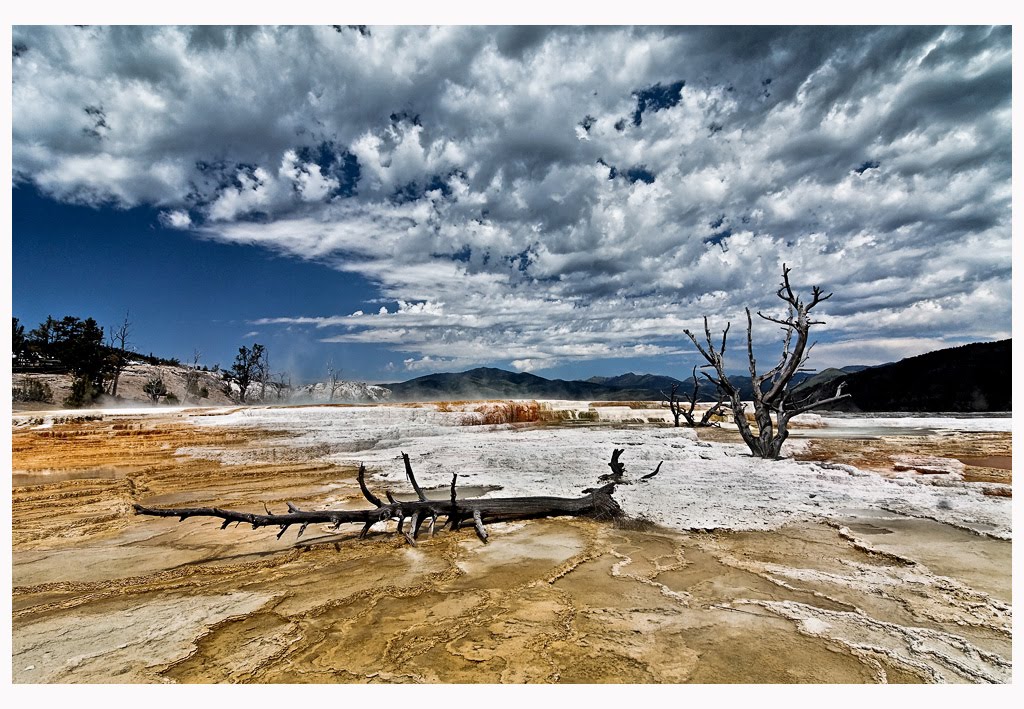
370,497
618,469
597,503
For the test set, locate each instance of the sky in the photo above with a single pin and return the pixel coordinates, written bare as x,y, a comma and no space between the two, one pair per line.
564,201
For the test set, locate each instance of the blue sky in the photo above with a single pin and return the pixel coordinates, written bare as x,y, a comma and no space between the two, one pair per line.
181,293
565,201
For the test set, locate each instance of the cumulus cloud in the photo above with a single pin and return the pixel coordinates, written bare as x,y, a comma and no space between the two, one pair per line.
176,219
535,196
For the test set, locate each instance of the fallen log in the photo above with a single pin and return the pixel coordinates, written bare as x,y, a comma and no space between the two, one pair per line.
597,503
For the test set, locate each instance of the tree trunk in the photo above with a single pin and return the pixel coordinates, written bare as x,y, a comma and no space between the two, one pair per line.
597,503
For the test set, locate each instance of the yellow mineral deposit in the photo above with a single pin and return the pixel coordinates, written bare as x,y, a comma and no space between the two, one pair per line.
102,595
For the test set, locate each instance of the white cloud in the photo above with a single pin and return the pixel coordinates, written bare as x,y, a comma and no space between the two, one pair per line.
880,350
176,219
873,161
307,178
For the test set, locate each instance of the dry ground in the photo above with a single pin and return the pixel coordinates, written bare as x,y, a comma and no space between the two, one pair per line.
101,595
130,387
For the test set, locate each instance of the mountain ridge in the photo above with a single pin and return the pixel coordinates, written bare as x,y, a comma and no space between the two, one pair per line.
493,383
971,377
965,378
932,381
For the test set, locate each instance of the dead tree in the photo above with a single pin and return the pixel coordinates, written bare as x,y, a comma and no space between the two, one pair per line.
192,378
333,379
284,384
597,503
618,474
679,411
618,469
771,389
263,374
117,341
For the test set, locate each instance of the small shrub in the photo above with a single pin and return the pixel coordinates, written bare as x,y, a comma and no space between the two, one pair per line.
204,392
75,419
171,399
83,393
155,388
33,390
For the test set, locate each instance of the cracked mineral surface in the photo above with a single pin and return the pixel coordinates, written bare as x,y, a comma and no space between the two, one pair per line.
877,557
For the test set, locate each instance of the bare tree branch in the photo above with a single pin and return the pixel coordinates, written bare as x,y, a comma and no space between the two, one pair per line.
412,478
679,411
370,497
597,503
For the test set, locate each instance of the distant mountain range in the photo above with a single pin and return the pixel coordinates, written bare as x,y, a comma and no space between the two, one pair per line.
972,377
975,377
491,383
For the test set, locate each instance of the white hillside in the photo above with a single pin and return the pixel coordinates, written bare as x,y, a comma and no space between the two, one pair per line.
345,392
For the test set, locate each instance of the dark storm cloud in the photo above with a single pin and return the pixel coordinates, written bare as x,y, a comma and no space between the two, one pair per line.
936,100
514,41
215,37
545,194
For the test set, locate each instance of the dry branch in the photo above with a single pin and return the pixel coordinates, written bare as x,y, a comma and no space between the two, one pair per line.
412,478
597,503
675,404
361,477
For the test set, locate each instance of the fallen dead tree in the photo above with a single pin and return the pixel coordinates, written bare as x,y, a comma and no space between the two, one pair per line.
597,503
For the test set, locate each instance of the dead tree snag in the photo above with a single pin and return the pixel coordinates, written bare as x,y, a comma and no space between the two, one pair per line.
117,344
618,469
771,389
679,411
596,503
617,476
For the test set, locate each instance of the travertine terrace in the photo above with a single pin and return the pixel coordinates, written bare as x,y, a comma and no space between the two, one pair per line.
823,569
